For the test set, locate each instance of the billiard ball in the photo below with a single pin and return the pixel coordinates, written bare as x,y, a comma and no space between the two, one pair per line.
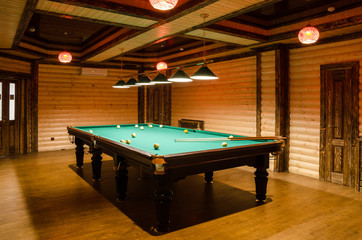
156,145
161,126
91,131
231,136
150,125
133,135
128,141
123,141
186,131
136,125
224,144
141,128
118,126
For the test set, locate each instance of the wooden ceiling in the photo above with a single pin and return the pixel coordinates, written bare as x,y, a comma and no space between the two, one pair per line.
104,32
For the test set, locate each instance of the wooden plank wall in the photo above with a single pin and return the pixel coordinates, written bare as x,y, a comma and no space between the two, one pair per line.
68,99
268,97
13,65
226,105
305,100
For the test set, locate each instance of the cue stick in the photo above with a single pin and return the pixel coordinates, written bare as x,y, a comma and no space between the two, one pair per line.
228,139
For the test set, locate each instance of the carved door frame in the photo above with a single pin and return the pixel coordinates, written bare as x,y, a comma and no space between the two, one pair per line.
352,104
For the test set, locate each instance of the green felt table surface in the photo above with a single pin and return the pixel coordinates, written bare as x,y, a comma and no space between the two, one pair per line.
165,136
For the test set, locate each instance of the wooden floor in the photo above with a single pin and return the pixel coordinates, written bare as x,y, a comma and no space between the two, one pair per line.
43,198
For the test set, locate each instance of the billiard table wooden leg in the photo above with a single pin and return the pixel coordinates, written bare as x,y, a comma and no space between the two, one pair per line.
79,152
261,176
96,163
163,199
209,177
121,178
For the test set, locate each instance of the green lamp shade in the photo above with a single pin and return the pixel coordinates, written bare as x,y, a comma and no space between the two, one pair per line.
160,79
120,84
132,83
180,76
145,80
204,73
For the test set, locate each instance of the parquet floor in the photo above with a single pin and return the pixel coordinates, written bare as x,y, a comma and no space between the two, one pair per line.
43,198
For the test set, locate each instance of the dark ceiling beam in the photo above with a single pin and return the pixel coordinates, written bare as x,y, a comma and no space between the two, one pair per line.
112,41
15,57
83,19
24,21
237,32
108,6
99,36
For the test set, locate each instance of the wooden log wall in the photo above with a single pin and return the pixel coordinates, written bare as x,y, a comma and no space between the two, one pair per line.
68,99
305,100
226,105
13,65
268,97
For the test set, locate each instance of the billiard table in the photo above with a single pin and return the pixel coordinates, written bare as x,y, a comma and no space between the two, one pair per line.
180,153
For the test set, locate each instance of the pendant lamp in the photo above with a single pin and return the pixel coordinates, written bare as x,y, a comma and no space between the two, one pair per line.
180,76
161,66
204,73
65,57
144,81
160,79
308,35
163,4
132,83
120,84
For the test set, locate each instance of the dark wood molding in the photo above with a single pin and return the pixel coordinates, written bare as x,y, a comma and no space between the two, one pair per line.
258,94
24,21
33,93
141,99
237,32
115,8
9,75
282,102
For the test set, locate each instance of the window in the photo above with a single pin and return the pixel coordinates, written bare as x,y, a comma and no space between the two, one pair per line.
12,102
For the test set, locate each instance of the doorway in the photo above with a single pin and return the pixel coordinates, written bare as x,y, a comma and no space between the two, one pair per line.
9,118
159,104
339,123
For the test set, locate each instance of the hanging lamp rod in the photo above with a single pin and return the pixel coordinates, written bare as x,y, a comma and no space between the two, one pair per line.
171,68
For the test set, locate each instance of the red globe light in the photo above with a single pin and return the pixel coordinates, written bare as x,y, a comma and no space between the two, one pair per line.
65,57
163,4
161,65
308,35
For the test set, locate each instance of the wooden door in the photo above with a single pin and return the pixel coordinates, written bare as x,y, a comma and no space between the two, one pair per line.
339,122
159,104
8,118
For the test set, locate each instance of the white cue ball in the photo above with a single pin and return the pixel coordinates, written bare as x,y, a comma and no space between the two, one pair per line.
156,145
133,135
231,136
141,127
128,141
118,126
136,125
224,144
91,131
150,125
161,126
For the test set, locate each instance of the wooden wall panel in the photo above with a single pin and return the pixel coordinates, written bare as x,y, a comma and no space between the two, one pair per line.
13,65
268,97
226,105
68,99
305,100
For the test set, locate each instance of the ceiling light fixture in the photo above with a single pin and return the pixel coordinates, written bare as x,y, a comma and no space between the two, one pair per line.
132,82
308,35
160,79
161,65
163,4
180,76
65,57
121,83
204,73
144,81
